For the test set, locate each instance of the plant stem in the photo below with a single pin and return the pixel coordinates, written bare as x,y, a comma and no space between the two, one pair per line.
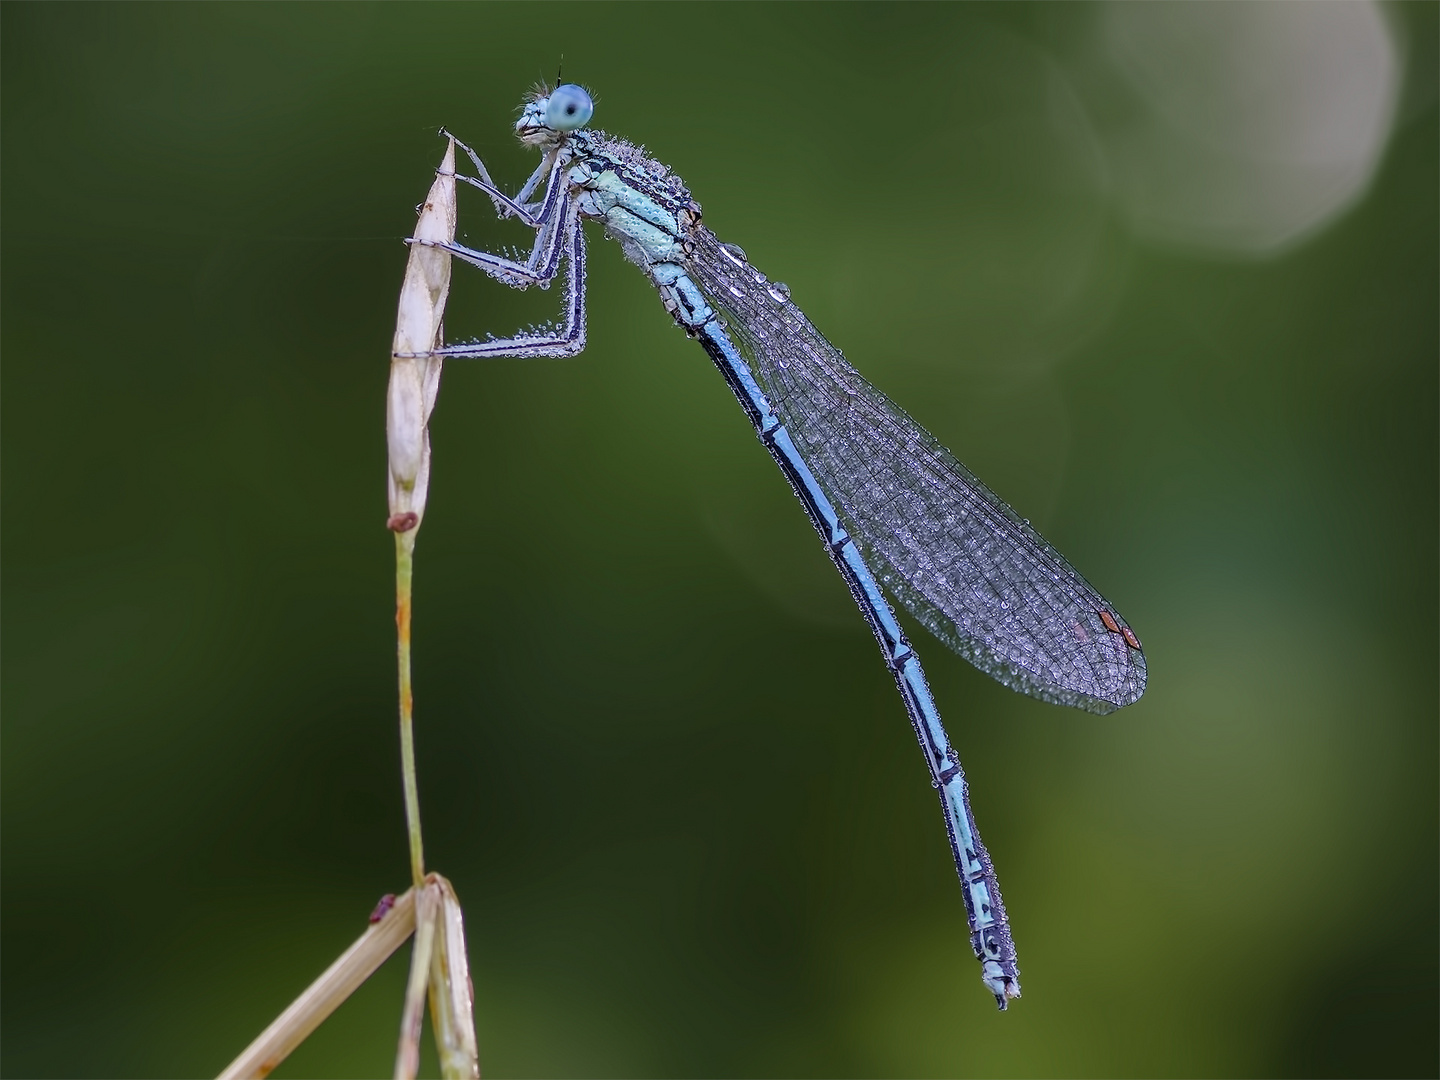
404,546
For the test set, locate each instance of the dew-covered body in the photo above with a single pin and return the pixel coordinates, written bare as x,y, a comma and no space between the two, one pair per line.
881,492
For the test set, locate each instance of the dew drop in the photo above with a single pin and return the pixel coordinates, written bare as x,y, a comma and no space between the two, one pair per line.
735,253
779,292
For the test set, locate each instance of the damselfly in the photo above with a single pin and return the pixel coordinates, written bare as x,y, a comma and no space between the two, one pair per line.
879,489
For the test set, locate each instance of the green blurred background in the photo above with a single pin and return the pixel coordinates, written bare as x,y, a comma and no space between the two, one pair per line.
659,756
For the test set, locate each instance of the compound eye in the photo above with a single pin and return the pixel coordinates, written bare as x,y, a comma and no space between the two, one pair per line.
569,108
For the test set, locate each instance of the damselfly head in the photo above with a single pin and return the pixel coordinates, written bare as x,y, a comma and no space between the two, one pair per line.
548,115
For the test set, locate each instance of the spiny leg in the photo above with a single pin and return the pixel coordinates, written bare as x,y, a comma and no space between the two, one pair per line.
569,340
541,267
520,206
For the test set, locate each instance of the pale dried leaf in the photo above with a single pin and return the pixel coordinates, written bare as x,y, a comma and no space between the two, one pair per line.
325,994
451,993
427,911
415,382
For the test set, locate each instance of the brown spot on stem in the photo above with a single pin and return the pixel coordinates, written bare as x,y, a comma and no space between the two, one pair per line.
383,907
399,523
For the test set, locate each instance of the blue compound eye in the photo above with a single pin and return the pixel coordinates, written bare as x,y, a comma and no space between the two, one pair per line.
570,108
